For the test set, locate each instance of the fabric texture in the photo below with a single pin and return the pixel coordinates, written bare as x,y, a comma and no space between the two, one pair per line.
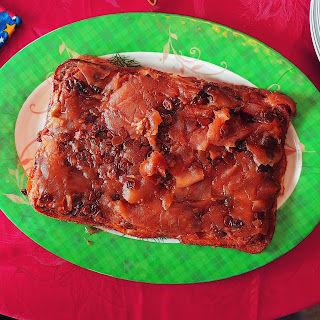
36,284
8,24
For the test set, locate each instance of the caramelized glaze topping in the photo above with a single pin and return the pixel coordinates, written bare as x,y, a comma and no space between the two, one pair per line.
153,154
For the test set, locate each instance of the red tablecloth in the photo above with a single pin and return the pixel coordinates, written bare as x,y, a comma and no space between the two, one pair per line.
35,284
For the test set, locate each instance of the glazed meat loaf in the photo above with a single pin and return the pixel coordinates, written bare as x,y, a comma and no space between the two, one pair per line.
152,154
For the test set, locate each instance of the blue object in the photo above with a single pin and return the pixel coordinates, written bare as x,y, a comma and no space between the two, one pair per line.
8,24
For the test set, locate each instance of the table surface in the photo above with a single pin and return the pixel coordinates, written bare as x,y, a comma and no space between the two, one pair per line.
36,284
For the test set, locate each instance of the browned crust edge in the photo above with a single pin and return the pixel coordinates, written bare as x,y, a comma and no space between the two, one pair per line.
248,245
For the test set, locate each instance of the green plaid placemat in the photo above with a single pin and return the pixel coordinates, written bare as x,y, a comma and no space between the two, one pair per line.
140,260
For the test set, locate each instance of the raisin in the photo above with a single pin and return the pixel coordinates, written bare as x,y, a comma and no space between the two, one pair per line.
82,155
148,154
111,172
207,167
260,95
267,168
230,222
237,97
169,176
170,159
77,200
228,158
227,221
216,162
241,145
136,145
128,225
85,209
176,104
283,114
202,94
203,97
268,116
163,136
257,238
123,133
24,192
168,182
284,108
96,90
67,162
165,148
108,142
95,195
108,159
117,140
65,137
91,118
123,165
233,111
95,209
237,223
166,120
36,163
228,202
81,86
39,139
246,118
157,179
79,205
102,133
144,141
130,183
167,105
115,151
269,142
45,197
259,216
221,234
200,215
115,196
69,84
201,234
61,146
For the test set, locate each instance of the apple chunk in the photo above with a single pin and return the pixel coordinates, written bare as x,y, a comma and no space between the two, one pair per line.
189,177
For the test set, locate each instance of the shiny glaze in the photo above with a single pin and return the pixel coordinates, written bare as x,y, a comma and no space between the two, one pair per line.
153,154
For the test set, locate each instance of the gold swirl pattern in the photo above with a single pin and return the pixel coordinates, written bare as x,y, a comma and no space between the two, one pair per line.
63,47
195,68
195,50
274,85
